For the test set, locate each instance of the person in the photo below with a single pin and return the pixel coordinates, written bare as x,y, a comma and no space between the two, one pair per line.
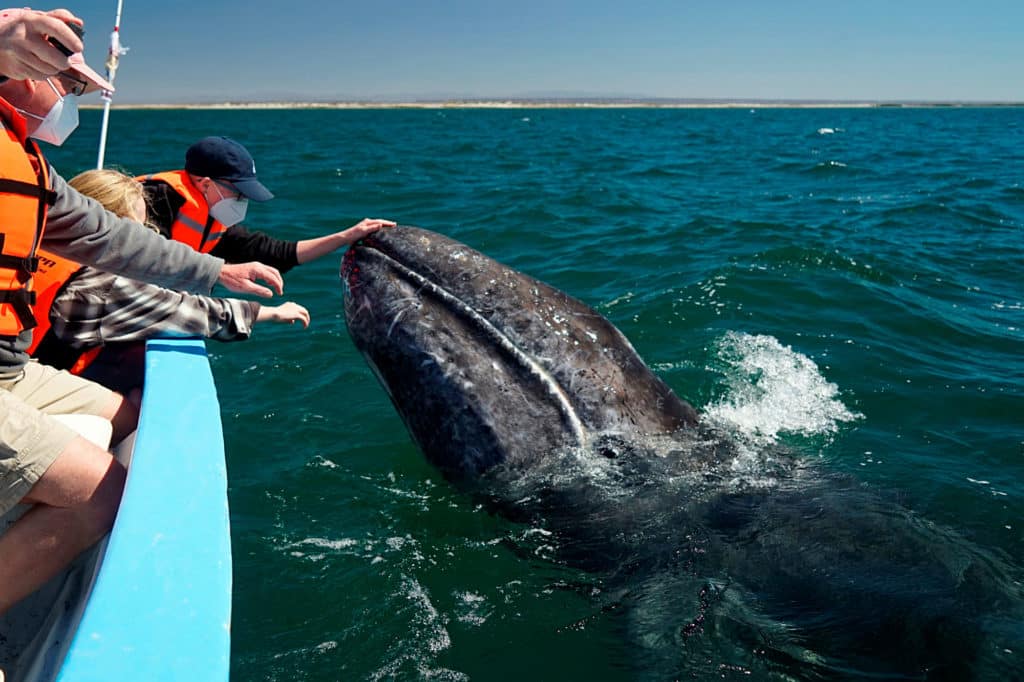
74,486
91,321
203,206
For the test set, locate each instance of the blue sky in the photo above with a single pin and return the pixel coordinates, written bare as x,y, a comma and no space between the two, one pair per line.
220,50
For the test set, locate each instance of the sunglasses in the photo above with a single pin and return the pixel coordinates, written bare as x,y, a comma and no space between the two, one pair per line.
230,188
72,85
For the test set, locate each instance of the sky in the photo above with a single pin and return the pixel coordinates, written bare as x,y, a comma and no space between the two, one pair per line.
397,50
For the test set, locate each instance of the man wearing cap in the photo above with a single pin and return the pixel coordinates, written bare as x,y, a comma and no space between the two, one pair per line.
74,486
204,204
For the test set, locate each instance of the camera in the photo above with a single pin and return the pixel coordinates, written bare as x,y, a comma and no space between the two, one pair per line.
79,31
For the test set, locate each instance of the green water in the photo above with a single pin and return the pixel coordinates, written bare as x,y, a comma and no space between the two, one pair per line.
855,295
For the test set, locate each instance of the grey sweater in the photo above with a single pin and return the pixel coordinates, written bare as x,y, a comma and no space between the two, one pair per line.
80,229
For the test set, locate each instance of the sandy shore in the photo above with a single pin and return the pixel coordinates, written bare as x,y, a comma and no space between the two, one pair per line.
559,104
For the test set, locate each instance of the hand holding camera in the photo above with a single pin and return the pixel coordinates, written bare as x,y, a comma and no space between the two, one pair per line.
36,45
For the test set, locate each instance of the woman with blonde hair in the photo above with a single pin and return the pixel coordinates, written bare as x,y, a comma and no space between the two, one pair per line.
92,322
118,193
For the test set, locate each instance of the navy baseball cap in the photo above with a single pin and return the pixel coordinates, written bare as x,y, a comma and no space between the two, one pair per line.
222,158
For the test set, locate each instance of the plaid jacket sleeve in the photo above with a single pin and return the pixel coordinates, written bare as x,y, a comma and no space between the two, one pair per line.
97,307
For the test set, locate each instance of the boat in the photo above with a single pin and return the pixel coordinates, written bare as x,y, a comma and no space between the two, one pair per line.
151,601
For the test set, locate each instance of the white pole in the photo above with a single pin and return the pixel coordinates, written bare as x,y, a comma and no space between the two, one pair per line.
113,55
103,131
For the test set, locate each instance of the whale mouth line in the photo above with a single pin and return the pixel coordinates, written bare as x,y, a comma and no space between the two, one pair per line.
508,348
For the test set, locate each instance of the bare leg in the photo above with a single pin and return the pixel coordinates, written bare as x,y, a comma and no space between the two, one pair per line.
123,415
76,503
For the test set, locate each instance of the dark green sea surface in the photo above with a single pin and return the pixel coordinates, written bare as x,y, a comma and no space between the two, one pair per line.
845,283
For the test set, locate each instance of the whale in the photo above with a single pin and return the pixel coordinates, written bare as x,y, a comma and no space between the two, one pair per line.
710,557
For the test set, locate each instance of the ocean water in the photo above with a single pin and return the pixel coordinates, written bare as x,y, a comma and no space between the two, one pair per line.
846,283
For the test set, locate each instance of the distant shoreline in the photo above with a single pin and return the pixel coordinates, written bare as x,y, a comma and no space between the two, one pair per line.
565,104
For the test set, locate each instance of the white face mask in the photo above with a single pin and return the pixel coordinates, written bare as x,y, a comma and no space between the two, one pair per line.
60,121
229,210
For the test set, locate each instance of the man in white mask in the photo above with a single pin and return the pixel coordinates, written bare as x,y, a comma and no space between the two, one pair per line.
59,122
204,204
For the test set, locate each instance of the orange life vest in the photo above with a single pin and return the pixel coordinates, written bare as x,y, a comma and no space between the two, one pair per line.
54,271
25,196
193,225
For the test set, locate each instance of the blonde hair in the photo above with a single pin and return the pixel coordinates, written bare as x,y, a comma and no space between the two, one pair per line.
116,191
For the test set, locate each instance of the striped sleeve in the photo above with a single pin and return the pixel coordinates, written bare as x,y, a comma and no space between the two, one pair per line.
98,307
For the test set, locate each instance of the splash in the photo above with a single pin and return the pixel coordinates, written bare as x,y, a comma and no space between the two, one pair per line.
773,390
414,656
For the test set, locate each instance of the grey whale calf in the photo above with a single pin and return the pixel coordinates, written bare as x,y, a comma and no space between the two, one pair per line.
533,402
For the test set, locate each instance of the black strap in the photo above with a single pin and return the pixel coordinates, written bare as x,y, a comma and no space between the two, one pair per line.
206,232
28,189
21,300
25,265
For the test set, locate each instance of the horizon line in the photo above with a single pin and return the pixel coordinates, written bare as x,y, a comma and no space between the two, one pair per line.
557,102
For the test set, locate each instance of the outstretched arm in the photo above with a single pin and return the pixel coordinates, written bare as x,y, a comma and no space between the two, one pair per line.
311,249
98,307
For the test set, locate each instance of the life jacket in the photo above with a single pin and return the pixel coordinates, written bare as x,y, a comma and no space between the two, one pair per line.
53,273
193,225
25,196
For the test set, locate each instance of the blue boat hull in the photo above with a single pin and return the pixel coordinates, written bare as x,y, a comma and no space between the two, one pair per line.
153,600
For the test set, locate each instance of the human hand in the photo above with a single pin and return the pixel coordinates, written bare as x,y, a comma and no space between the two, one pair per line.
365,227
286,312
310,249
25,52
242,277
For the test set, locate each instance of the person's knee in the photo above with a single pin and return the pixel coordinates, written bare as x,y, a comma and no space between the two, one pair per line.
87,482
123,415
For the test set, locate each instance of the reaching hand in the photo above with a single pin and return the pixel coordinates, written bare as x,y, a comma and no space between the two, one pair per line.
25,53
286,312
364,227
242,277
310,249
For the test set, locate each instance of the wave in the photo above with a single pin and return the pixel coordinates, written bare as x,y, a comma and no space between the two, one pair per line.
772,391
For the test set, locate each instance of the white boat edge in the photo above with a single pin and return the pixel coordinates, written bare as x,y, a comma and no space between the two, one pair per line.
152,601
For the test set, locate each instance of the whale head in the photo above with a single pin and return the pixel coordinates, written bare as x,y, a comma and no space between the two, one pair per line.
488,366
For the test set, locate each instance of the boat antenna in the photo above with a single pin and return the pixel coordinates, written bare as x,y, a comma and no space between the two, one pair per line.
113,55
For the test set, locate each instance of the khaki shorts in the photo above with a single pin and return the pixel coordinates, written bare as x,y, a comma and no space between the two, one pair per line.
30,440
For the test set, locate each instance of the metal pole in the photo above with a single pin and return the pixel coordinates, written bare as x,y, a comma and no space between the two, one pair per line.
103,131
113,55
